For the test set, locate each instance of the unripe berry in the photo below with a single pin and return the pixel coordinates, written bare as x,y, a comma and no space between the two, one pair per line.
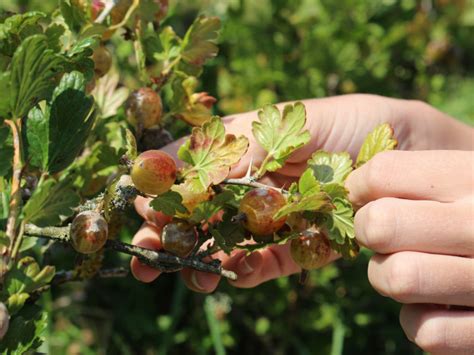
179,238
259,206
4,320
89,231
153,172
102,61
310,252
144,108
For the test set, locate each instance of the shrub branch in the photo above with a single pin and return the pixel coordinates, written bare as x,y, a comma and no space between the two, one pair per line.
156,259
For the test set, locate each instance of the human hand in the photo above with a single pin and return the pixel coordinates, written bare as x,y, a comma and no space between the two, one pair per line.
336,124
417,215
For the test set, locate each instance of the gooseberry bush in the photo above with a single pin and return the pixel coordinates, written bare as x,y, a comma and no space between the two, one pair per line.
77,147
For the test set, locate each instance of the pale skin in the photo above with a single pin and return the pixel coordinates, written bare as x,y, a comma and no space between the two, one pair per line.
415,210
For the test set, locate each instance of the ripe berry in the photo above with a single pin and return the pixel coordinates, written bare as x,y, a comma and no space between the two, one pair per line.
259,206
88,232
102,61
310,252
144,108
4,320
153,172
179,238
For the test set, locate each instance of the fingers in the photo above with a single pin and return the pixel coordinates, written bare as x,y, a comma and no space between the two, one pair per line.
199,281
147,237
389,225
437,330
261,266
411,277
419,175
156,218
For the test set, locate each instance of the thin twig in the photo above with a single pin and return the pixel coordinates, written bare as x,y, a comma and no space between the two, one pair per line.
106,11
250,182
15,195
158,260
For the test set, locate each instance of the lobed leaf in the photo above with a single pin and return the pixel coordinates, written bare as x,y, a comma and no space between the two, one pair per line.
330,167
16,28
280,134
340,221
210,153
226,233
51,202
170,203
199,43
25,331
207,209
33,66
379,140
308,197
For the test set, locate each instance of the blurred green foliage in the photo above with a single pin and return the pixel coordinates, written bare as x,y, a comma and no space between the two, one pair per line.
274,51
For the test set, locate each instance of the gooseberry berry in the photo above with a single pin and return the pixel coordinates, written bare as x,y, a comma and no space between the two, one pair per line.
311,251
259,206
144,108
153,172
102,61
4,320
178,238
88,232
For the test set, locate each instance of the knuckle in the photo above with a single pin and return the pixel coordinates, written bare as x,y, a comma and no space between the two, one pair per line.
379,169
402,279
374,222
431,335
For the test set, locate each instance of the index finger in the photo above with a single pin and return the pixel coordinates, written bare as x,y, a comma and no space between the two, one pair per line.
443,176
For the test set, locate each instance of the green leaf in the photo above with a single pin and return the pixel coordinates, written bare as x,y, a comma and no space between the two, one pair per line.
6,151
16,28
280,135
37,134
33,67
210,153
379,140
330,167
227,233
5,89
73,14
169,203
207,209
57,132
308,184
16,301
25,332
71,119
50,204
309,197
335,190
315,202
54,33
340,221
199,43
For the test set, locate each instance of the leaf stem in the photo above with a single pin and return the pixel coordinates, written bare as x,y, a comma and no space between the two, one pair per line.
250,182
127,15
109,6
15,195
158,260
262,170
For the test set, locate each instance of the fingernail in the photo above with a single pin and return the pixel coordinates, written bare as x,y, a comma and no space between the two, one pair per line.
249,264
